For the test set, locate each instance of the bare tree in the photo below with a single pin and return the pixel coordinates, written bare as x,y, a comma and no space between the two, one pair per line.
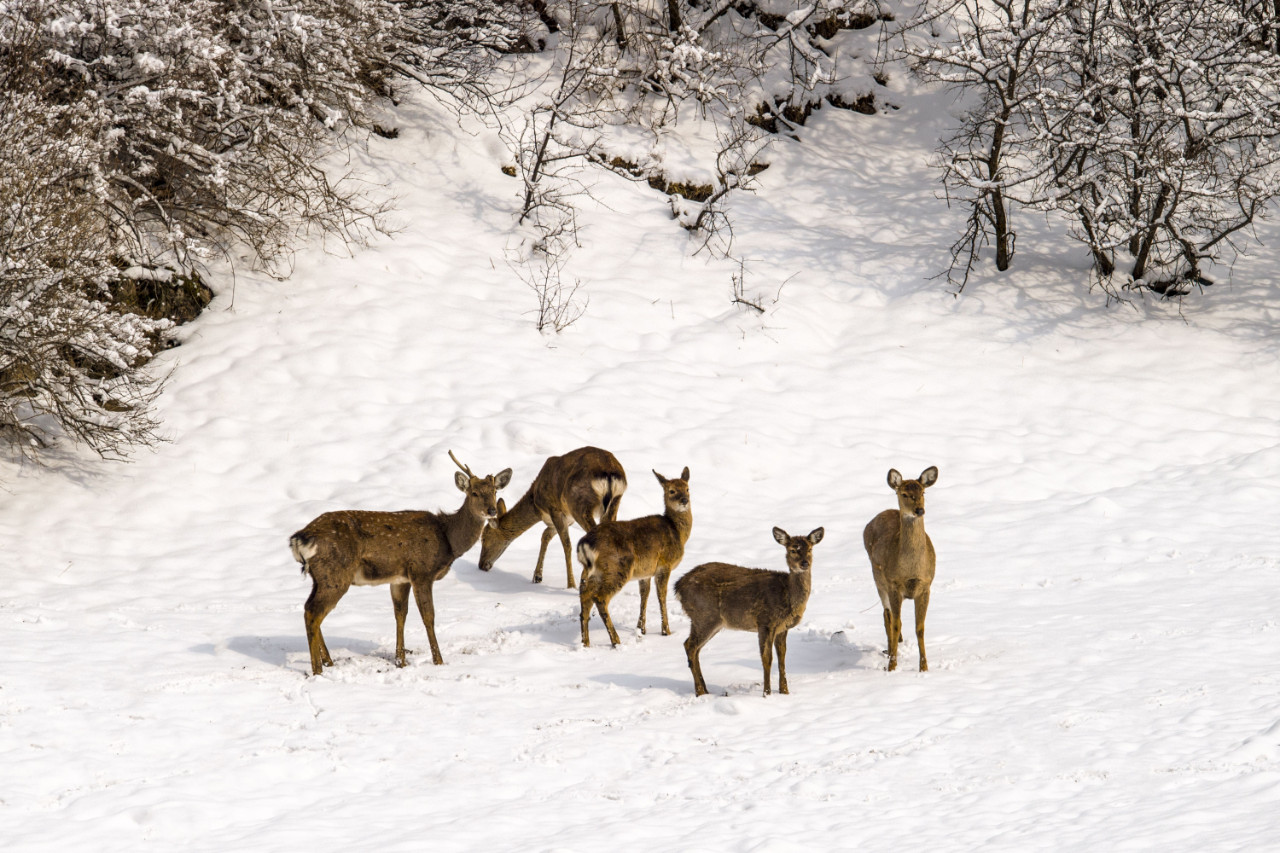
992,55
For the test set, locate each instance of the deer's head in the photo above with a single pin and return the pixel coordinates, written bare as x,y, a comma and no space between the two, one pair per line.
481,492
493,542
799,548
911,492
675,493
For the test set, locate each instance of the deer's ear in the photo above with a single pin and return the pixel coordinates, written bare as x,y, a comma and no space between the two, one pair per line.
504,477
816,536
502,507
781,535
895,479
661,479
684,475
462,481
929,476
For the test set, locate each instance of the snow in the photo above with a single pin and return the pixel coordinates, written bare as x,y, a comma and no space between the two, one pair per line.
1102,631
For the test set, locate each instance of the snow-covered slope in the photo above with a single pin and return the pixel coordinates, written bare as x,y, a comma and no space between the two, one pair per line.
1103,633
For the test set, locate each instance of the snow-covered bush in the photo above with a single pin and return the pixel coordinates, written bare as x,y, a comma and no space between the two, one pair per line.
70,363
1163,130
218,111
144,137
1151,124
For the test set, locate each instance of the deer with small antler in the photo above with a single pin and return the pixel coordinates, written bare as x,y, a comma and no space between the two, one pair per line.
902,558
410,550
583,486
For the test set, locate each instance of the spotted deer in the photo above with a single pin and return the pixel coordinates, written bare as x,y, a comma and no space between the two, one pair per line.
618,552
902,559
722,595
584,486
410,550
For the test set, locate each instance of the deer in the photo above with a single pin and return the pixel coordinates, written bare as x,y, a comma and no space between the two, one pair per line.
584,486
618,552
723,595
903,559
410,550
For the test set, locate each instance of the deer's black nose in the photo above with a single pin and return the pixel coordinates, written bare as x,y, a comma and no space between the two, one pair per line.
920,510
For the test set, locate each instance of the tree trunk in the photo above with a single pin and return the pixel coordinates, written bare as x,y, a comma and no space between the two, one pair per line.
673,14
622,29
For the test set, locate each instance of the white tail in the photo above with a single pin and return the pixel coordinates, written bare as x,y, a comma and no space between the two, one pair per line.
722,595
410,550
903,559
583,486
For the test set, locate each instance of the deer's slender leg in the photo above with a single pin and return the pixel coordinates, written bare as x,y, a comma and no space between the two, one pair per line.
780,643
766,658
320,603
922,607
602,605
400,604
427,608
644,602
542,553
661,582
895,627
562,528
586,591
698,637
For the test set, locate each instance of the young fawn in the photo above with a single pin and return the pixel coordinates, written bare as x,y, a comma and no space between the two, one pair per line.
410,550
617,552
722,595
902,559
583,486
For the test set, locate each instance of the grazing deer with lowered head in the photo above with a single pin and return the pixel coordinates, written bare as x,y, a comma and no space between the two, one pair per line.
902,559
410,550
617,552
583,486
722,595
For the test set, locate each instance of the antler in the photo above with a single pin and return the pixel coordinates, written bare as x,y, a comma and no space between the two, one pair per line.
464,468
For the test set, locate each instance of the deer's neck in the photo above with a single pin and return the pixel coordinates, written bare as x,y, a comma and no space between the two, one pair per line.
912,541
462,530
519,518
798,585
683,523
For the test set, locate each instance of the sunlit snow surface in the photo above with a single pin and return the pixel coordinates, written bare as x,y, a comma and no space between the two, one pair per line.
1103,631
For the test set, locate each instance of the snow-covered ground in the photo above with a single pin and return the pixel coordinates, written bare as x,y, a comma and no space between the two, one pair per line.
1103,632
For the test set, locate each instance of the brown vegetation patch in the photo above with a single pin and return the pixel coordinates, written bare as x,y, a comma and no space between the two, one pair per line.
865,104
162,294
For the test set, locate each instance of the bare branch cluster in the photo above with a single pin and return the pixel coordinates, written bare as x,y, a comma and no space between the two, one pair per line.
559,303
626,70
